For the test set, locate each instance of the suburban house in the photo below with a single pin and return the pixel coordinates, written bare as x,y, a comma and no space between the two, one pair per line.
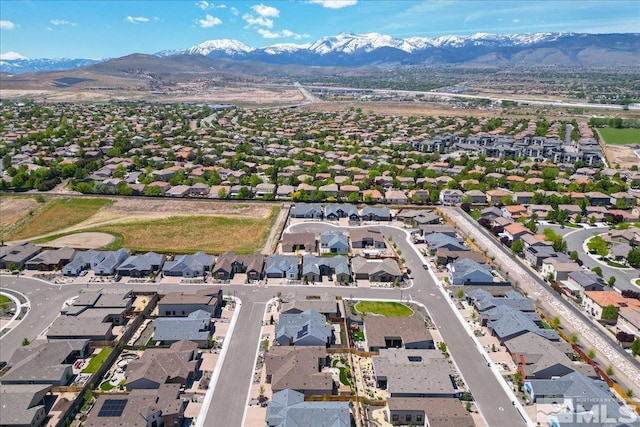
82,261
141,265
594,302
468,271
539,358
395,196
157,366
188,266
428,411
491,213
334,212
92,315
451,197
315,268
326,305
577,398
534,255
299,368
477,197
416,217
156,407
293,242
414,373
17,255
397,332
515,231
514,211
445,256
287,408
180,304
371,213
428,229
45,363
112,259
195,327
364,238
558,270
375,270
24,404
581,281
334,242
507,323
308,328
52,259
437,241
228,264
306,210
282,267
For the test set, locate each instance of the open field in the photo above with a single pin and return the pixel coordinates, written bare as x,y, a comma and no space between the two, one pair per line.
182,234
389,309
81,240
13,209
620,136
56,214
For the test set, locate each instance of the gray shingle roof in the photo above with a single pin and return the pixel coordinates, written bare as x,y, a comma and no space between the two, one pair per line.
295,327
194,327
288,409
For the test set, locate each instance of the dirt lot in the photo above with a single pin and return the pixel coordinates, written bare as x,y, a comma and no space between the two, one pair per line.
82,241
622,155
12,209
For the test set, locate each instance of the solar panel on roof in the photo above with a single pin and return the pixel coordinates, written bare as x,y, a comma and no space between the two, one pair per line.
302,332
112,408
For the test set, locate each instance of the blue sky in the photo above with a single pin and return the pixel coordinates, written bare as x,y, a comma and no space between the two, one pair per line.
101,29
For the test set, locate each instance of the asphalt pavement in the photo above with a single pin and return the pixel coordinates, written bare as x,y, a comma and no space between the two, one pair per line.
230,395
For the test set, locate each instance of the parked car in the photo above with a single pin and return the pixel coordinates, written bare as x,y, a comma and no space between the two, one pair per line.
83,273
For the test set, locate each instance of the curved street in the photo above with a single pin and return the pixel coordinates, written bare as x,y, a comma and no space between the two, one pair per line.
228,402
626,367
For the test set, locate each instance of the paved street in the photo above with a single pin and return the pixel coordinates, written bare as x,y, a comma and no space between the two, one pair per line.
229,397
572,319
575,240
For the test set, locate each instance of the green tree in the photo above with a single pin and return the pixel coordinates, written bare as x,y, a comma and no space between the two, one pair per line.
598,245
597,270
517,247
635,347
25,342
610,312
573,255
633,258
611,281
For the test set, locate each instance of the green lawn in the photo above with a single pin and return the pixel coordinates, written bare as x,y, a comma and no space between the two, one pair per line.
620,136
106,386
97,361
4,301
389,309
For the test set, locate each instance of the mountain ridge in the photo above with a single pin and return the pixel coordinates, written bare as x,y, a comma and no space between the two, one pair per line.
351,49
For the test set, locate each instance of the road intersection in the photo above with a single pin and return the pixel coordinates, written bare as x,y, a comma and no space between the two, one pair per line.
228,400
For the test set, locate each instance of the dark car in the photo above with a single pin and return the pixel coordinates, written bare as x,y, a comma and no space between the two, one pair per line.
425,266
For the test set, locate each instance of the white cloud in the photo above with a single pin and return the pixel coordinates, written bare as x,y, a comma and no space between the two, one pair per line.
515,21
209,21
259,21
334,4
136,19
266,11
268,34
62,22
7,25
235,11
203,4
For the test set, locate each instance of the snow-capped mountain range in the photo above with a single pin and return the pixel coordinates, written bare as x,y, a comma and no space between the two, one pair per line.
349,49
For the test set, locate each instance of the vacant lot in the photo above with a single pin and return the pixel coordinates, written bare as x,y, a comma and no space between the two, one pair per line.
184,234
55,215
620,136
389,309
13,209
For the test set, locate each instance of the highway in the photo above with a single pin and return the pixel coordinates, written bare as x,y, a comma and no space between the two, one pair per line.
228,402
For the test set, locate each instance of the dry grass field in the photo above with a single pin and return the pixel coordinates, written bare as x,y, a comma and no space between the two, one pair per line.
53,215
141,224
